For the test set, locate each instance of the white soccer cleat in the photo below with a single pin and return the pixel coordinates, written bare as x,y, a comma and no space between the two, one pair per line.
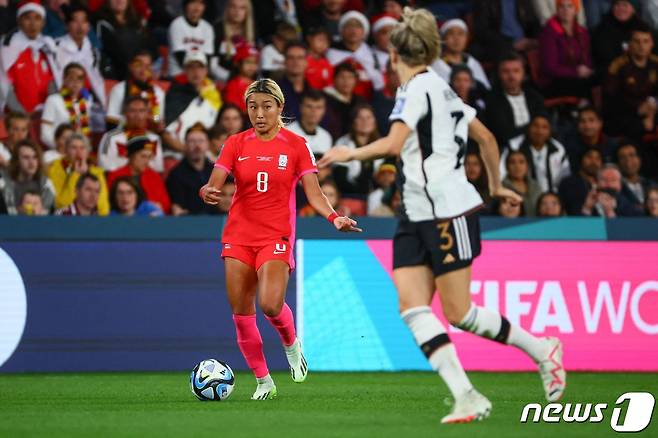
472,406
297,362
266,389
553,374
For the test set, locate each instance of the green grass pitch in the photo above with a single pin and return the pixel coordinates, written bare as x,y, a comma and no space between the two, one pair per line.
326,405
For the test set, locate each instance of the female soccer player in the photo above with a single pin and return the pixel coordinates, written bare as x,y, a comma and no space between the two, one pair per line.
267,161
438,236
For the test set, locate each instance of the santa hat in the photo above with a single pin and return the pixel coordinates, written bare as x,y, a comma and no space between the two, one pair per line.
354,15
455,23
31,6
243,52
382,20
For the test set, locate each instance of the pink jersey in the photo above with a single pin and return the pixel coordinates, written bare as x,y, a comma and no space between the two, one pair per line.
266,175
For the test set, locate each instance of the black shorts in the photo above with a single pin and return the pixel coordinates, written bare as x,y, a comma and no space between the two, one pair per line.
444,246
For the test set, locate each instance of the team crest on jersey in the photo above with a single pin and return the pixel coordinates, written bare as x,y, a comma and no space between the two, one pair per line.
399,105
283,162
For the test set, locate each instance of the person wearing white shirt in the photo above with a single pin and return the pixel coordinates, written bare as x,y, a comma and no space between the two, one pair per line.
546,156
382,25
272,57
189,32
312,110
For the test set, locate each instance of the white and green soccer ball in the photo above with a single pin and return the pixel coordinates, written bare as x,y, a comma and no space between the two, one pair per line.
213,380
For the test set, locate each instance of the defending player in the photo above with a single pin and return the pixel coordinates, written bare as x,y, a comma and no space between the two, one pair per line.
267,162
439,236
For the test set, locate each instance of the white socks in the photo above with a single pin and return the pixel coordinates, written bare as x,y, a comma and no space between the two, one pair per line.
434,342
492,325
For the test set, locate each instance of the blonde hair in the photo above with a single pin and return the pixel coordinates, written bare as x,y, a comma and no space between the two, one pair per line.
267,86
247,27
416,38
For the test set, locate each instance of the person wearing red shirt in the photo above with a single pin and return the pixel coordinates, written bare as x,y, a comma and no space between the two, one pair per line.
27,59
246,62
319,71
140,152
267,162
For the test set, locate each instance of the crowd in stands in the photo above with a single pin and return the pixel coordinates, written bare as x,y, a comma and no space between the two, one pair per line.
119,107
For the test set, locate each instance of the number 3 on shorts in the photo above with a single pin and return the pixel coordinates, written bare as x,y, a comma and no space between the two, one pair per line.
261,182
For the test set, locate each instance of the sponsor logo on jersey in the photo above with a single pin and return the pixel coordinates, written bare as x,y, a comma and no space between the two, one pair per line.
243,158
283,162
264,158
399,105
280,248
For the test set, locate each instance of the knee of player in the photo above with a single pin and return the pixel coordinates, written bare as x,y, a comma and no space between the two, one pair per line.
271,308
454,315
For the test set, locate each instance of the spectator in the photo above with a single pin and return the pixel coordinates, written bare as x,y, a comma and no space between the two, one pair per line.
476,174
595,10
112,152
62,133
71,105
18,129
589,134
503,25
505,208
383,100
272,59
454,34
139,83
192,99
394,7
193,171
187,33
391,203
650,13
246,70
65,173
121,33
30,204
331,191
382,25
312,110
55,18
549,205
140,152
612,35
565,53
25,174
76,46
236,28
28,61
547,158
630,87
462,81
293,83
229,121
607,199
354,179
574,189
341,99
226,196
327,16
634,186
511,104
651,202
546,9
87,193
319,71
271,12
127,199
384,179
354,29
518,179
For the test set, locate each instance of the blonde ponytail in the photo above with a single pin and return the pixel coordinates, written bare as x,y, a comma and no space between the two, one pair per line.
416,37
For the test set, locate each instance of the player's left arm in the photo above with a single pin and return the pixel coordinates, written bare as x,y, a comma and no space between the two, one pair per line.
321,204
391,145
491,157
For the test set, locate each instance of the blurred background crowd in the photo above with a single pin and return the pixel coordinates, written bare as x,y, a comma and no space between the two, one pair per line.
121,107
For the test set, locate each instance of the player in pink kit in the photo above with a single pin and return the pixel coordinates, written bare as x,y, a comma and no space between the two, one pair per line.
267,163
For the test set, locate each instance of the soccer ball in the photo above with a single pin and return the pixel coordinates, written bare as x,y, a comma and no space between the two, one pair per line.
212,380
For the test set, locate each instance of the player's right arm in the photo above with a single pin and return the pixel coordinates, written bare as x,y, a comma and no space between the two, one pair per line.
223,166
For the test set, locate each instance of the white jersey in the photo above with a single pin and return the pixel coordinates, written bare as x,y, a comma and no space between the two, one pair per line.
184,37
432,177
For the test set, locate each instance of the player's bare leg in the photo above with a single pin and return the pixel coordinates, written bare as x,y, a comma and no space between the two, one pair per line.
273,279
416,287
454,290
241,285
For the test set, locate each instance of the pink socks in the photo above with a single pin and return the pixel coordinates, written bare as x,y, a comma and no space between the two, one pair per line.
251,344
285,325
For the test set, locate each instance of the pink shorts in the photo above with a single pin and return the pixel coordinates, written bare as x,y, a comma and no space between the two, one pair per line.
256,256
